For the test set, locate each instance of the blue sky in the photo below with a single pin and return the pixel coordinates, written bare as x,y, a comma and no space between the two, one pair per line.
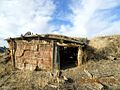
77,18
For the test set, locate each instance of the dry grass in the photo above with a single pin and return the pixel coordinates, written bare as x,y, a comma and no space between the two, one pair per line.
106,71
103,70
105,47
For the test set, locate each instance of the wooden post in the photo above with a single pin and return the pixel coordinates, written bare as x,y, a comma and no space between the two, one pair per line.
80,56
53,55
57,58
13,52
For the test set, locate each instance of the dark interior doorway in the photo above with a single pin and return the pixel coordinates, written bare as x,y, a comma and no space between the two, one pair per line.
68,57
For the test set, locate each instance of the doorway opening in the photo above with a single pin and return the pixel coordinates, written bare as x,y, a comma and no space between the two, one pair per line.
68,57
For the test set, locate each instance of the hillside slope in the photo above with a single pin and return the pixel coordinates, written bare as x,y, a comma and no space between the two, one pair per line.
107,47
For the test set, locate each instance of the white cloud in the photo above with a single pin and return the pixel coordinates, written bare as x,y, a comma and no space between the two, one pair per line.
39,24
107,4
113,29
91,18
20,16
82,12
73,31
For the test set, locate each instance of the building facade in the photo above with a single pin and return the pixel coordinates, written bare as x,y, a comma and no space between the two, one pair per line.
47,51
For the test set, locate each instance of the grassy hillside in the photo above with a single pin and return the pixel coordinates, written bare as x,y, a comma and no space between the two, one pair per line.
106,47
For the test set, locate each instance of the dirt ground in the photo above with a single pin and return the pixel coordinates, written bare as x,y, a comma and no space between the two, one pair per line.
106,72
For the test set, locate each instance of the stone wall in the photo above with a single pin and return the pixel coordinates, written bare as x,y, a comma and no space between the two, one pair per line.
29,54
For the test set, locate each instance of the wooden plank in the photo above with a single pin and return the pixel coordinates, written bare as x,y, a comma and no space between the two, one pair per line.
53,55
79,56
67,45
13,52
57,58
52,37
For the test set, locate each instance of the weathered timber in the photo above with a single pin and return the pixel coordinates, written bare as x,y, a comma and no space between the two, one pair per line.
57,59
53,55
68,45
43,51
80,56
13,52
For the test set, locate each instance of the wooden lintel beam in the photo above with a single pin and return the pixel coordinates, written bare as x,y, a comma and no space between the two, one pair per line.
67,45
